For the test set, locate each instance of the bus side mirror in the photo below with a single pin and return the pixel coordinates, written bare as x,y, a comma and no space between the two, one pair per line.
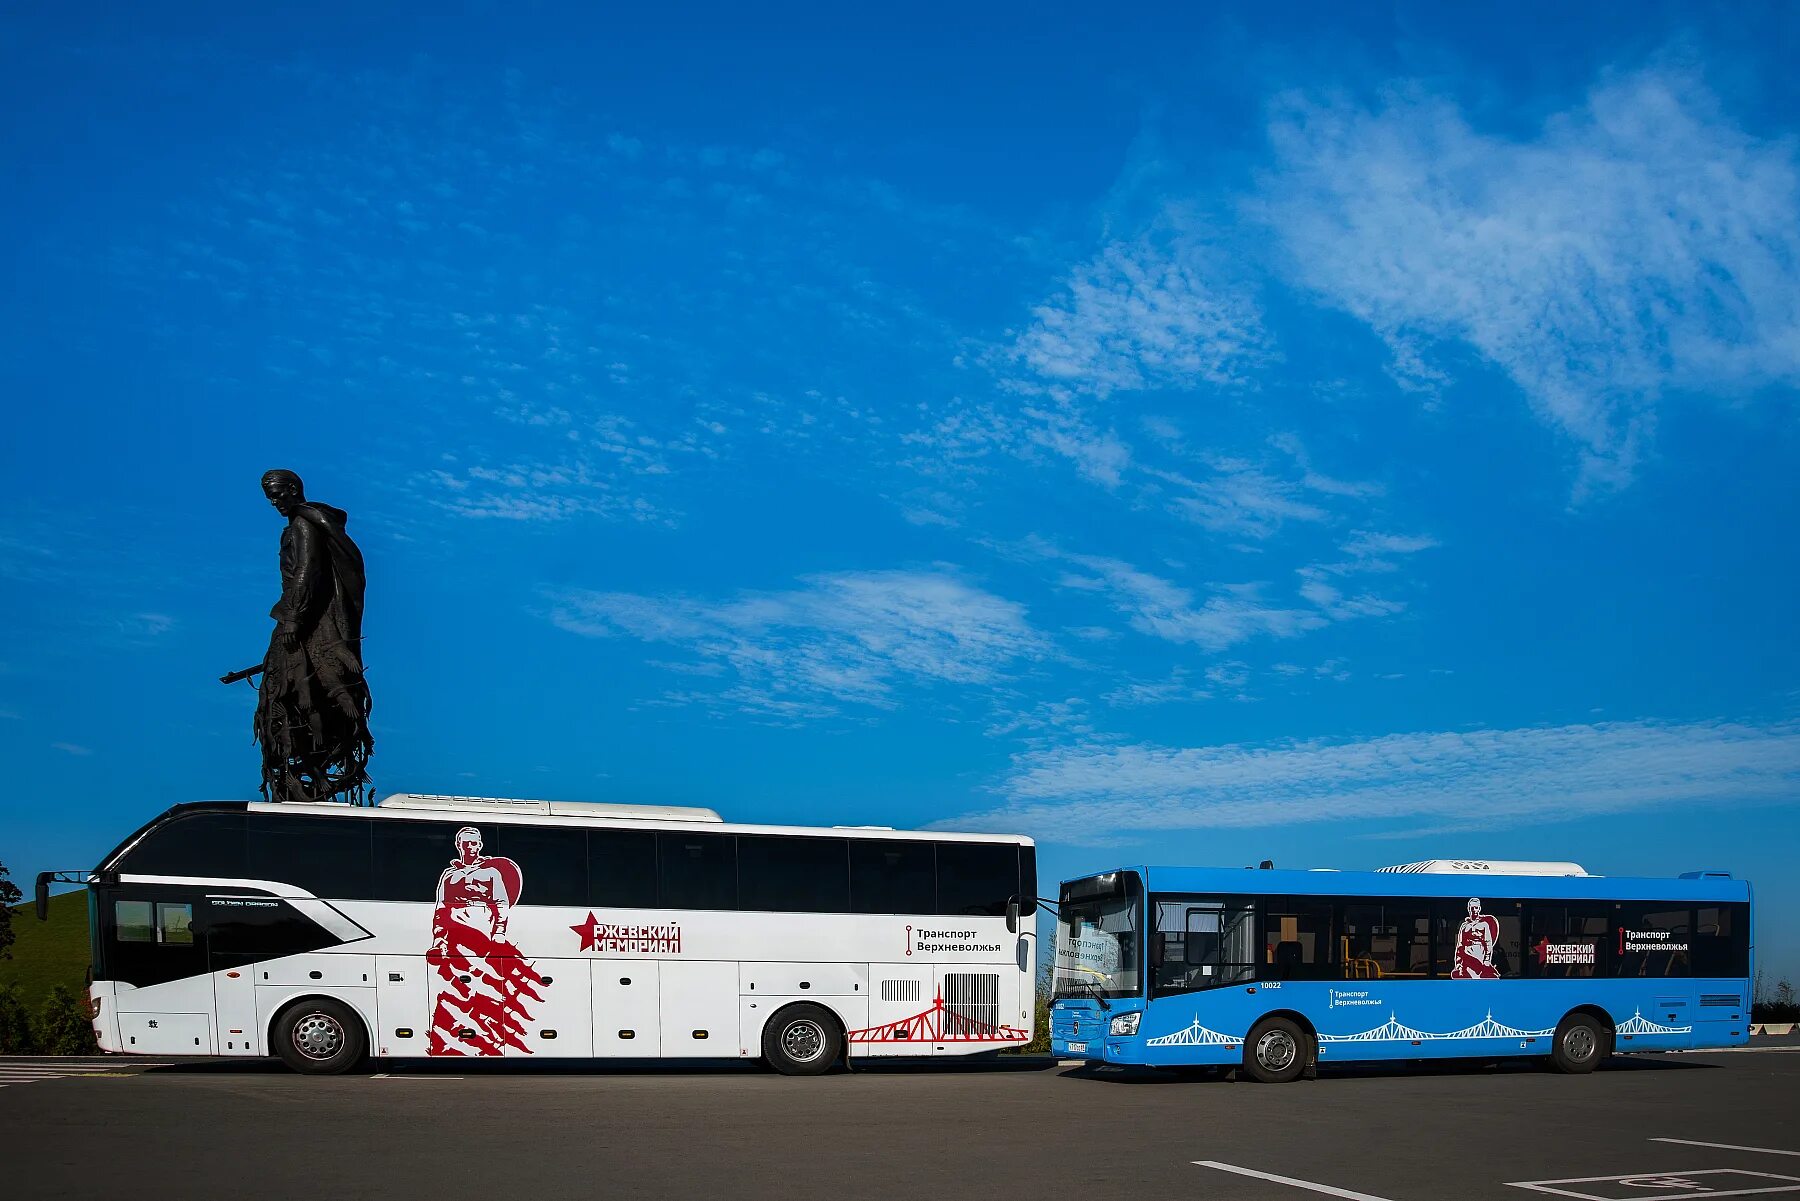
1012,915
43,896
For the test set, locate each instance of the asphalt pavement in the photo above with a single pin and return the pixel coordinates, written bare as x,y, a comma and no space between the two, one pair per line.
1652,1127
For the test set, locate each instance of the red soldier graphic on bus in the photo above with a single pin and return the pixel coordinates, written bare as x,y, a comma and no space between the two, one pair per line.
483,981
1476,939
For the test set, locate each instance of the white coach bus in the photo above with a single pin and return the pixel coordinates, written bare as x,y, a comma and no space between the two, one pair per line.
463,926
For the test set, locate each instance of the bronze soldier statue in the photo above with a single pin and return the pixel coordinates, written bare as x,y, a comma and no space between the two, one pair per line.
312,715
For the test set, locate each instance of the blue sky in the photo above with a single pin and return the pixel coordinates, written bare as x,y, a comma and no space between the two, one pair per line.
1343,439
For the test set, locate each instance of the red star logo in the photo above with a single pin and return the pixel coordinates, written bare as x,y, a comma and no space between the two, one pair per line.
589,931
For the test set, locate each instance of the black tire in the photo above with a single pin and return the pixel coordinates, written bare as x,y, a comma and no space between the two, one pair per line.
802,1040
1582,1044
320,1036
1276,1051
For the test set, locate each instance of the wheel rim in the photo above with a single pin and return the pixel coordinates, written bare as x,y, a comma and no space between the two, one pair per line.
318,1036
1578,1043
803,1041
1276,1050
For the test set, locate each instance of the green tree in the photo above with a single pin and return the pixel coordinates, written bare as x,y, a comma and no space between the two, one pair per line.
1778,1005
9,896
15,1023
64,1025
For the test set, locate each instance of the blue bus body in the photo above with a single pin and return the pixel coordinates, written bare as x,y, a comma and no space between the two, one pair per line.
1660,964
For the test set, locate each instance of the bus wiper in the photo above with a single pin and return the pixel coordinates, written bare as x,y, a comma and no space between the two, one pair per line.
1095,990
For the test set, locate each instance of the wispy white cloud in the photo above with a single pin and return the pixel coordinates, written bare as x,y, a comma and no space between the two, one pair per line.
1233,613
1159,311
1042,720
1177,687
850,637
1368,544
1484,779
583,317
1237,497
1639,243
1369,551
1315,480
1163,609
148,625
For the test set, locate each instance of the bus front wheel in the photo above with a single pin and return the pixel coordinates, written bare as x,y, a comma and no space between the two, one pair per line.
1276,1051
320,1037
1581,1044
802,1040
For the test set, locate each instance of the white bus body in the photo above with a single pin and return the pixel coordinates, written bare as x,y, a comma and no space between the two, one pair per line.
516,929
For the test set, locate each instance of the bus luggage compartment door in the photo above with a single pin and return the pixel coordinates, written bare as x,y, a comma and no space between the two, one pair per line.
166,1033
902,1018
402,1020
560,1021
627,1009
699,1009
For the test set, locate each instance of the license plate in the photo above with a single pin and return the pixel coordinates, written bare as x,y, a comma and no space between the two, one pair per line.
1077,1046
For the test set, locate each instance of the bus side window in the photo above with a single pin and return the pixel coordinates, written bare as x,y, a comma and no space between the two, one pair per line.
1203,944
1358,928
1652,939
1567,939
194,844
1462,945
175,925
1296,939
778,874
976,879
622,869
165,923
892,876
135,921
697,871
1721,942
330,857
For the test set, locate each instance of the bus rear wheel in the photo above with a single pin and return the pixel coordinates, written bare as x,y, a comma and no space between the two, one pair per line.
802,1040
1276,1051
1581,1044
320,1037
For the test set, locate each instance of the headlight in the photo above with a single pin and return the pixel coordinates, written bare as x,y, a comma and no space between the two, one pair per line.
1125,1024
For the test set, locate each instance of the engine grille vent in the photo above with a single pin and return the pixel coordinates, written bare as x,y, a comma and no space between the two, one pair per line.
899,990
971,1004
1725,1000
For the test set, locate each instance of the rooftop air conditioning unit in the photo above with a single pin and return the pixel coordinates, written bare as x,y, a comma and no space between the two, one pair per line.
480,804
1487,867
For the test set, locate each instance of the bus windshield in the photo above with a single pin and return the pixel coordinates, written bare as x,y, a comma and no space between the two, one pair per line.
1098,937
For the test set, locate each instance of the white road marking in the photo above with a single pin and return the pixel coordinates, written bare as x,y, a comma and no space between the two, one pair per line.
27,1071
390,1076
1684,1185
1688,1142
1788,1047
1327,1189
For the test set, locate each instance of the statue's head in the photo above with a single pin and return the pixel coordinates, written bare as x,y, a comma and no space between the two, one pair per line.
284,490
468,844
1474,906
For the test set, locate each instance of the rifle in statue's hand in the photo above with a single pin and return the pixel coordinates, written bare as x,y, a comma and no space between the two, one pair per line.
245,674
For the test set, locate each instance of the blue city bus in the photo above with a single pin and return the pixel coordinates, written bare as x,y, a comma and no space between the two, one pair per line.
1275,972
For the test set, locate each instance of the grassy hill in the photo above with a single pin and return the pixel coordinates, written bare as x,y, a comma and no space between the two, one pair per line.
52,952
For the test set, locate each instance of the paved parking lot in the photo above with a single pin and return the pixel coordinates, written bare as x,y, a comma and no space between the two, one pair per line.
1650,1128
